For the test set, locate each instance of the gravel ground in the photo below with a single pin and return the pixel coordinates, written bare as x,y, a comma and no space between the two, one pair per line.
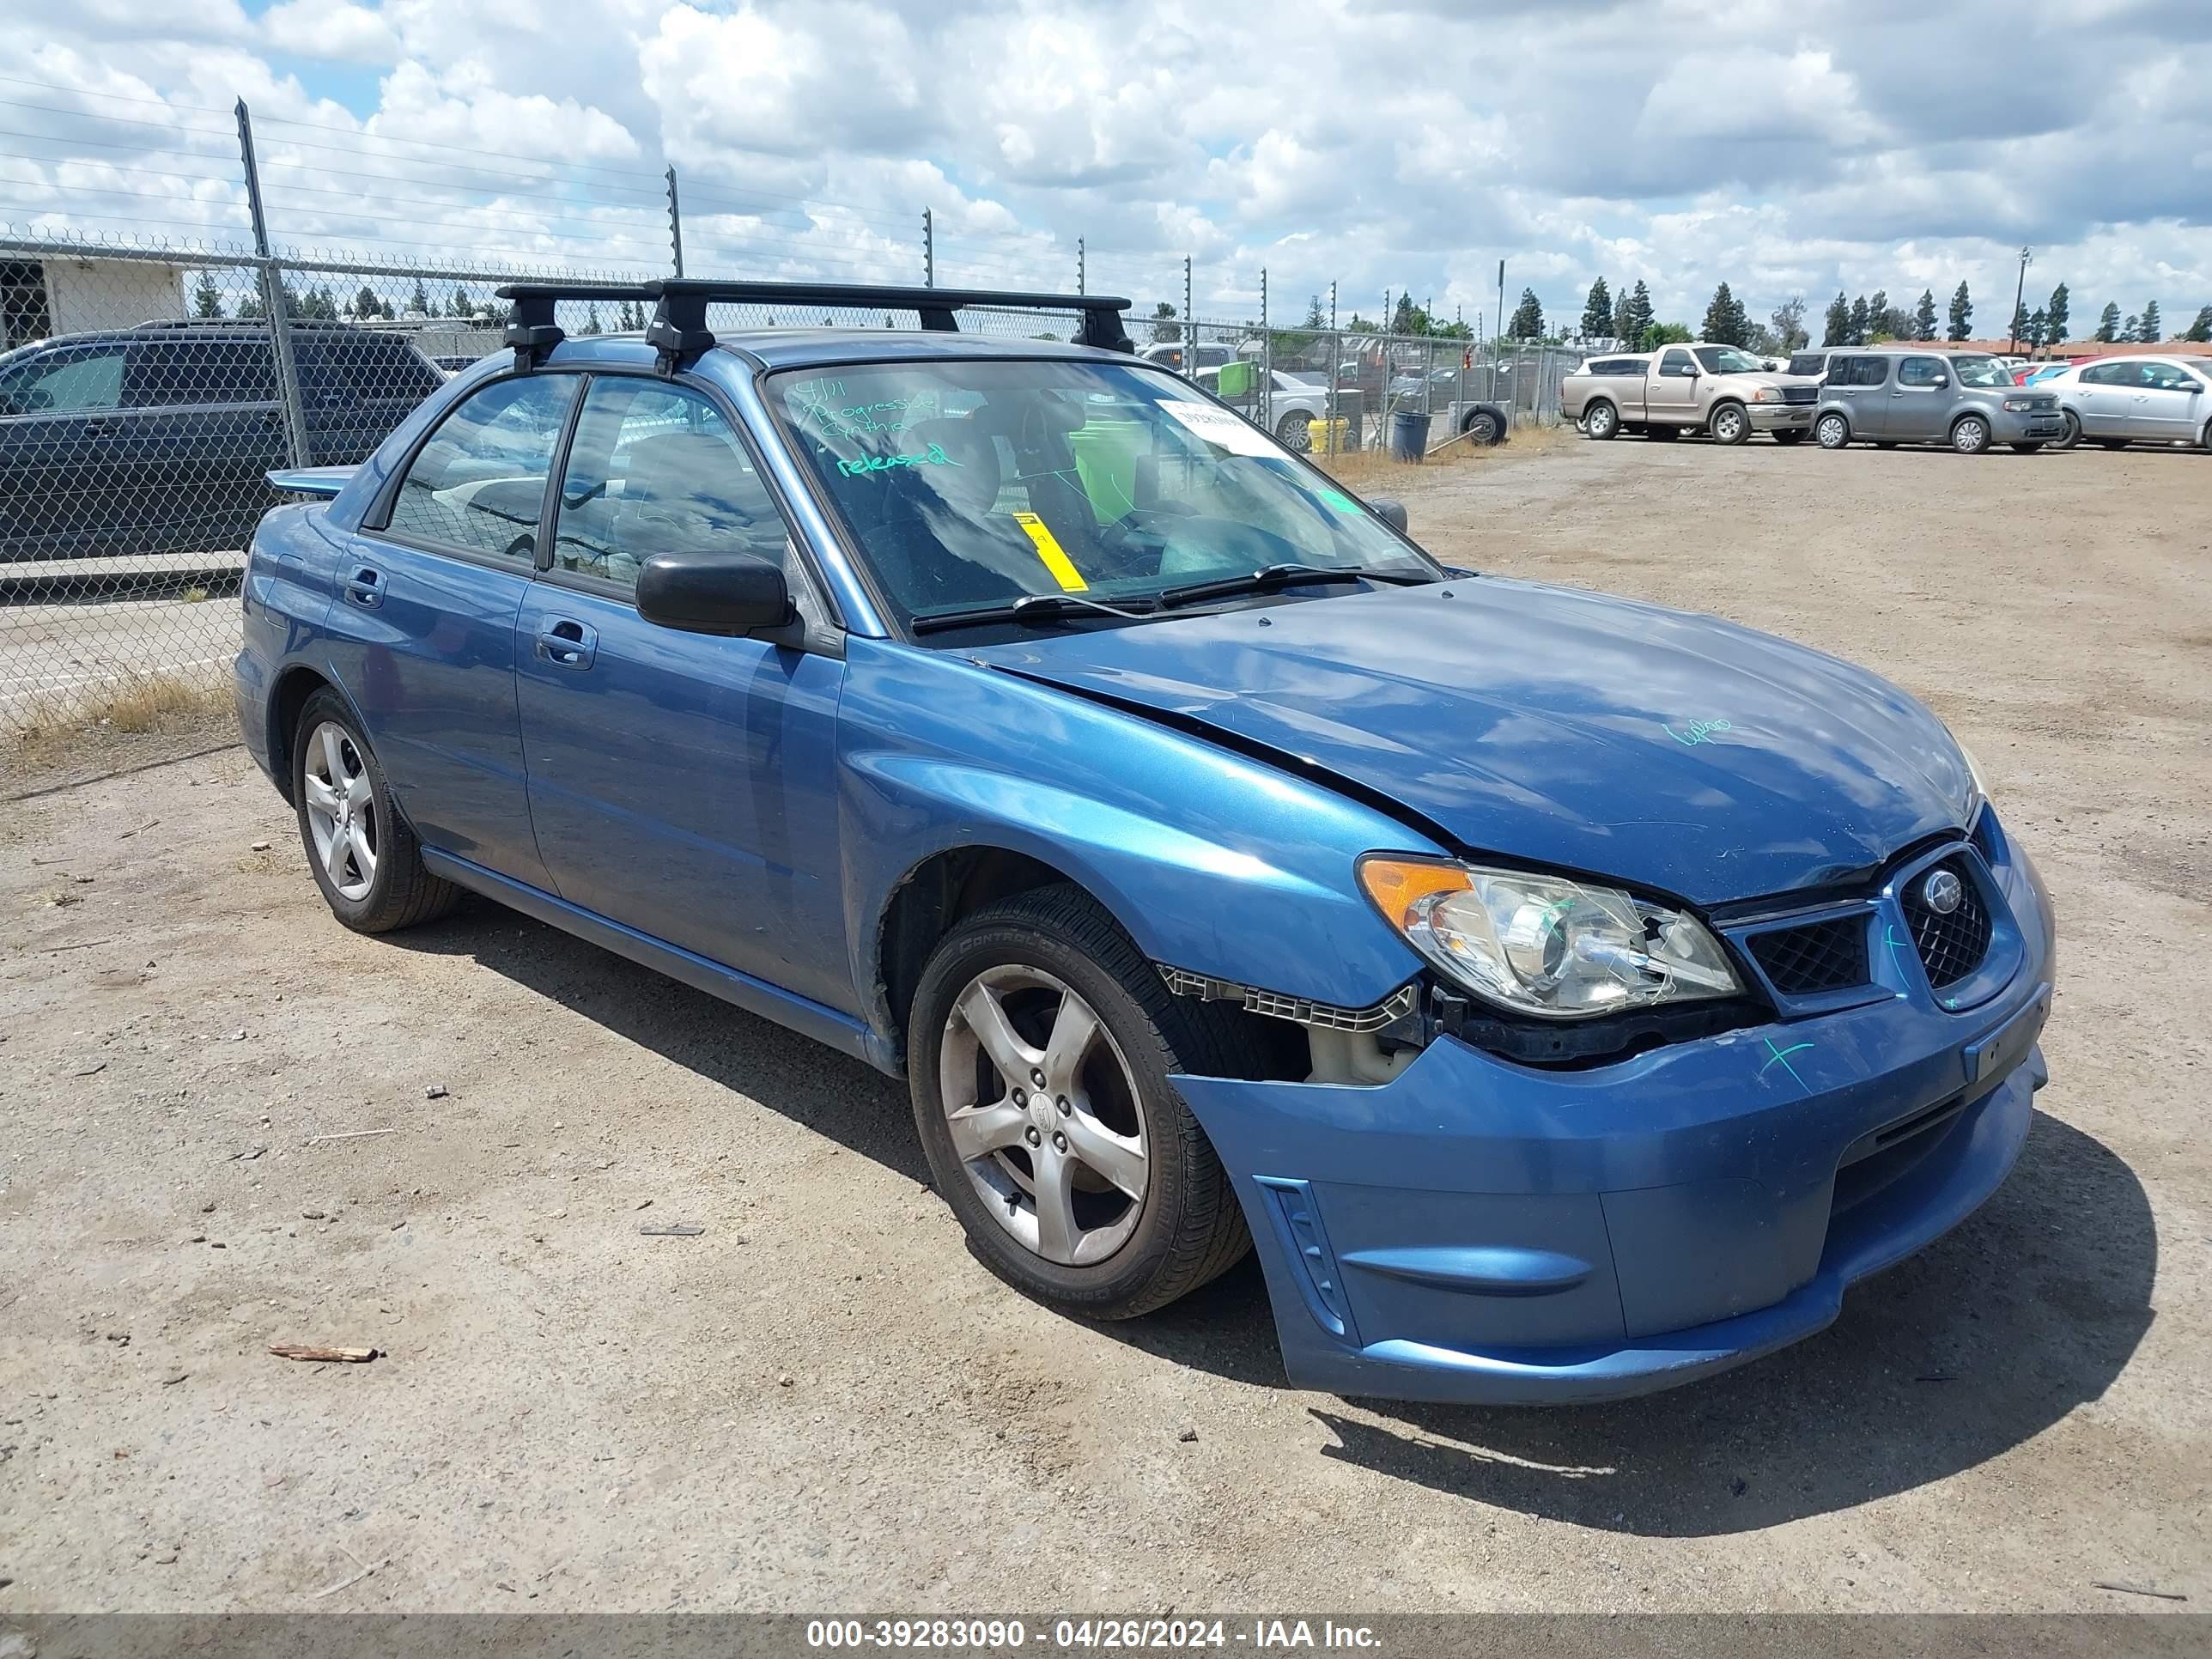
823,1401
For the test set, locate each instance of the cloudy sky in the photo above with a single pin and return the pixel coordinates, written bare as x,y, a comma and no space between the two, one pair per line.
1786,146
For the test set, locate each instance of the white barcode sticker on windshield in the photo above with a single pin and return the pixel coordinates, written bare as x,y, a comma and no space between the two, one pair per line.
1221,426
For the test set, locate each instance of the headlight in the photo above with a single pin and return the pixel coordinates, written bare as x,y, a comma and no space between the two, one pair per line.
2019,406
1765,394
1544,945
1977,791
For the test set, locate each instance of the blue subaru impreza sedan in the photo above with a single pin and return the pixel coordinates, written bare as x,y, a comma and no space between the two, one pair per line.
1565,997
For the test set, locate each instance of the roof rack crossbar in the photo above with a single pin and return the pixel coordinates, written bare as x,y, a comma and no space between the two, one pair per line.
531,328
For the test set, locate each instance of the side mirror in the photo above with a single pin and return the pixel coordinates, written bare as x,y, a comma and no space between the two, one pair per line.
718,592
1941,381
1391,511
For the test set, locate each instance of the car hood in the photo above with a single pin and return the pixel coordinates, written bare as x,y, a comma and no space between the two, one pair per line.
1673,751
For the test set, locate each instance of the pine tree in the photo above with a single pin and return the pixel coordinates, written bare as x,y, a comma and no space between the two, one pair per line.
2128,329
459,305
1621,317
2201,329
1923,316
365,304
1879,319
1641,317
1316,319
418,303
207,301
2019,330
2038,327
1526,322
592,320
1836,326
2055,313
1597,311
2108,325
2153,332
1165,330
1727,323
1862,320
1962,315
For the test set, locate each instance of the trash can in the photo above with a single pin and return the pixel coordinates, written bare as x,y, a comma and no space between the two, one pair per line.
1409,436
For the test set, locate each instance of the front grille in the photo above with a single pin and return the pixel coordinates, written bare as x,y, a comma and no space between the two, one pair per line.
1821,956
1801,394
1951,947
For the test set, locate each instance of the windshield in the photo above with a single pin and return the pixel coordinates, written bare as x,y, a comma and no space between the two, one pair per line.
1981,371
969,485
1727,360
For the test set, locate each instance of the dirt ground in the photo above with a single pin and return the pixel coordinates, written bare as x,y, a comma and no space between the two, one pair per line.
823,1403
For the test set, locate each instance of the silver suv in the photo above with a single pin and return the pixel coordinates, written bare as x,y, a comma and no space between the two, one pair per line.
1911,395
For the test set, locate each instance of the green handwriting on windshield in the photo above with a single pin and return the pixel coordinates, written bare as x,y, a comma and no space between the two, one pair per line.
933,456
821,404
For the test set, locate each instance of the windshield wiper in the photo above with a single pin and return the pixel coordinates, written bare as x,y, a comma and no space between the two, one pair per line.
1271,578
1034,608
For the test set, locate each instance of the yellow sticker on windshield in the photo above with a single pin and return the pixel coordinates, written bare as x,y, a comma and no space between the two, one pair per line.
1048,549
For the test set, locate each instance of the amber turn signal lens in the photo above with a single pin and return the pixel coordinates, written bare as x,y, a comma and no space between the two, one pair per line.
1397,885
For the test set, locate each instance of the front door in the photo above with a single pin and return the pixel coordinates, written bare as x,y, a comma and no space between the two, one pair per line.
2171,406
1920,401
684,785
61,417
1671,393
423,633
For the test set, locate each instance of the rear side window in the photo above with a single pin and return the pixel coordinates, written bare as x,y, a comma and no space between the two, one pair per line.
1921,371
655,468
478,485
66,382
348,364
1809,362
1868,371
1616,366
182,373
2109,374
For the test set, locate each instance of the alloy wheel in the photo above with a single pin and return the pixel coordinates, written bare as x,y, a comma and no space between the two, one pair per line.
342,811
1728,426
1833,432
1295,432
1970,436
1600,423
1043,1111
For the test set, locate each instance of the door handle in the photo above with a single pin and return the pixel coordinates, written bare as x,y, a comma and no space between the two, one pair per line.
365,587
568,644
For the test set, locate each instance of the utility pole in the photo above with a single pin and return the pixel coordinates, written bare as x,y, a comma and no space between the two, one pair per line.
2020,296
272,300
675,222
928,250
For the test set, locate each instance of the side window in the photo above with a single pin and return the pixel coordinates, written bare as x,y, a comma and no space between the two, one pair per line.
1676,362
1868,371
84,380
181,373
479,484
1921,371
2164,377
2106,375
656,469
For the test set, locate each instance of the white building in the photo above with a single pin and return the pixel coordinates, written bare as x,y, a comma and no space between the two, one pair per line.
42,297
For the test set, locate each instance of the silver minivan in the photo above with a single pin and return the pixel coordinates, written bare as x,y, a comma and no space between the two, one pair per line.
1890,395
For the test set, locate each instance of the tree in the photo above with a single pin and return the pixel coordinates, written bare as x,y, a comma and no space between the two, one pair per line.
1881,320
207,301
1316,319
418,303
1661,334
2019,321
460,305
1597,311
2153,332
249,308
1640,318
1861,319
1165,329
1788,321
592,320
2054,312
2201,329
2038,327
1727,323
1837,326
2108,325
1962,315
2128,329
1526,322
318,305
365,304
1923,316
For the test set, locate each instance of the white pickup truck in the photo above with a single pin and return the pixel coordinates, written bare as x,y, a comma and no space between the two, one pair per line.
1698,387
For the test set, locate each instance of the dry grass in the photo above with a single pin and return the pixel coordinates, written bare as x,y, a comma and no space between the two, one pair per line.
1373,470
56,727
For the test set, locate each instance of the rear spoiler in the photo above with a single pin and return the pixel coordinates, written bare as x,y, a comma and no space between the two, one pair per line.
322,481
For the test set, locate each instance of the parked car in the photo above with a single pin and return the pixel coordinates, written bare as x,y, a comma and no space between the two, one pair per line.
1718,389
1174,354
1294,404
1808,365
2117,401
1892,395
1220,869
156,439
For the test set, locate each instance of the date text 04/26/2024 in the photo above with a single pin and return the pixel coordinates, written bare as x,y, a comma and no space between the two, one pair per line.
1009,1635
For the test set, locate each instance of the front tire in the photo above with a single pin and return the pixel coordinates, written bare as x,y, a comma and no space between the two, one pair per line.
365,857
1730,425
1095,1189
1601,421
1832,432
1970,435
1295,432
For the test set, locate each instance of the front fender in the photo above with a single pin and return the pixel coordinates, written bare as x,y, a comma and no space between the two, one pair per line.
1211,860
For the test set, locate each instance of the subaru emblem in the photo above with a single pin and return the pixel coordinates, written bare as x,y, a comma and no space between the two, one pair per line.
1941,891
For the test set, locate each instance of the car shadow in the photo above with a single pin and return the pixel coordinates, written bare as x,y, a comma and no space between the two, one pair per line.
1993,1333
1996,1332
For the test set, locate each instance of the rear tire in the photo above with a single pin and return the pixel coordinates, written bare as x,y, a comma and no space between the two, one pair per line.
1970,435
1295,432
1832,432
2072,435
1086,1244
364,856
1730,425
1601,422
1790,434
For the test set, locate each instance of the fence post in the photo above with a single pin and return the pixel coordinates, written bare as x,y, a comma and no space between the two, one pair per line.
1336,366
928,250
1189,326
675,222
1080,273
1267,399
272,302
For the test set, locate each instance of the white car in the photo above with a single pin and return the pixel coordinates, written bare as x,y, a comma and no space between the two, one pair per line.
1292,405
2117,401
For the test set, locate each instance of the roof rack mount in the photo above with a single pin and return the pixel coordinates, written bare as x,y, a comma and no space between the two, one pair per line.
678,328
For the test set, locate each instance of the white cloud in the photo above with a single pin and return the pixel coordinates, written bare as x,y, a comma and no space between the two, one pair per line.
332,29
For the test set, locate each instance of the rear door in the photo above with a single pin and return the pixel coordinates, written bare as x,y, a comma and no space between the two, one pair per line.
422,631
1919,404
59,411
1859,382
682,784
202,428
2106,400
356,386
